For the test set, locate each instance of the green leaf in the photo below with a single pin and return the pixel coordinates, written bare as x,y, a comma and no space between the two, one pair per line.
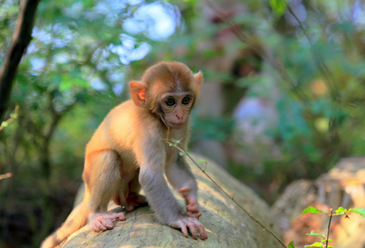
316,244
341,211
4,124
324,240
360,211
278,6
313,233
181,153
312,210
65,85
291,245
202,160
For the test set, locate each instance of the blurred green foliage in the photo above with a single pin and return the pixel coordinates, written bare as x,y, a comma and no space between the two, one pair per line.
84,52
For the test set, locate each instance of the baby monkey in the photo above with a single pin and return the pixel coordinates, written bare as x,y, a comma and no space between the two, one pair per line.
129,151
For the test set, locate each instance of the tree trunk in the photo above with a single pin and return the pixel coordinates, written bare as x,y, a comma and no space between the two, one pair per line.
21,38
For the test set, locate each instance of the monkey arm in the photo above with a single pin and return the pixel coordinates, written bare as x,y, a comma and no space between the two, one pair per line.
180,175
164,204
158,194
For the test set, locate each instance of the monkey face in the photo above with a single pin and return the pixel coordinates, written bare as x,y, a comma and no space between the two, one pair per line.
176,108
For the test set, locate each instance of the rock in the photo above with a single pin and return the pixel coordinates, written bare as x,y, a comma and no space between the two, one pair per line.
342,186
227,225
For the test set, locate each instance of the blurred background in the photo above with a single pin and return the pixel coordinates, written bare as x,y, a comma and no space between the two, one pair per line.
282,100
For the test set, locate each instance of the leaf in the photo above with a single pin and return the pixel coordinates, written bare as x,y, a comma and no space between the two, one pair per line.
202,160
312,210
291,245
313,233
65,85
4,124
324,240
181,153
360,211
341,211
316,244
278,6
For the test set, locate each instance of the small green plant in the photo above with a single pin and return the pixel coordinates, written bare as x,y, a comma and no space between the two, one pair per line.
325,238
13,116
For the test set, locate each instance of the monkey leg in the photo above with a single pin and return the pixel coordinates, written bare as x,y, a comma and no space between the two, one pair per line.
133,198
102,180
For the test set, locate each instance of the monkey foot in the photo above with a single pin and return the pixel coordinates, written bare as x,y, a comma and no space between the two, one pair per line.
100,222
135,200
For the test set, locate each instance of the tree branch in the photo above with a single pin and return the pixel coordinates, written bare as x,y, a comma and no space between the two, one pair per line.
20,41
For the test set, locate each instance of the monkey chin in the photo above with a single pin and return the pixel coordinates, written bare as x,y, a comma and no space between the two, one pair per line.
176,125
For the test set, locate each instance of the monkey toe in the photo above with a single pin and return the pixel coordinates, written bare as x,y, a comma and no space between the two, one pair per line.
103,222
117,216
130,207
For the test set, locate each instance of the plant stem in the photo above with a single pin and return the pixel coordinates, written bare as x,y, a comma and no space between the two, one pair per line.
229,195
328,228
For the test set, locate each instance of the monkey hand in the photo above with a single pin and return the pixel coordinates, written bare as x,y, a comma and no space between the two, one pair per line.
100,222
192,206
192,224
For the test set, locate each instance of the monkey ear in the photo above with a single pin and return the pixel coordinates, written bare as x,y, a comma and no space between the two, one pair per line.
199,78
138,92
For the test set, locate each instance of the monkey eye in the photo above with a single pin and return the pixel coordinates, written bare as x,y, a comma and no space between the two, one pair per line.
185,100
170,102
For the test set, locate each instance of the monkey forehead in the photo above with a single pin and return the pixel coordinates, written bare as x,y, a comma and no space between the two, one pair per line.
165,87
177,95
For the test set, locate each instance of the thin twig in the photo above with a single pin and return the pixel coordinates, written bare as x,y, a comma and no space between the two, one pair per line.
227,194
318,59
7,175
234,192
11,119
328,228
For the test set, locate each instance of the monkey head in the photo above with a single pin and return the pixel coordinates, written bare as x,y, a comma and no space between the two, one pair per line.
168,90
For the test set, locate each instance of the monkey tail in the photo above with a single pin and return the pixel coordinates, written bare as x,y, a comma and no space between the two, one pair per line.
77,219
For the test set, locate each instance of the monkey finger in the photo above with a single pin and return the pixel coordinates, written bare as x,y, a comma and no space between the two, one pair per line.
192,230
194,214
184,191
192,208
180,225
201,230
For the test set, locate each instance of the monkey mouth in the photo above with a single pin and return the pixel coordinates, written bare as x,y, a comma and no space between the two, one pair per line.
176,125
